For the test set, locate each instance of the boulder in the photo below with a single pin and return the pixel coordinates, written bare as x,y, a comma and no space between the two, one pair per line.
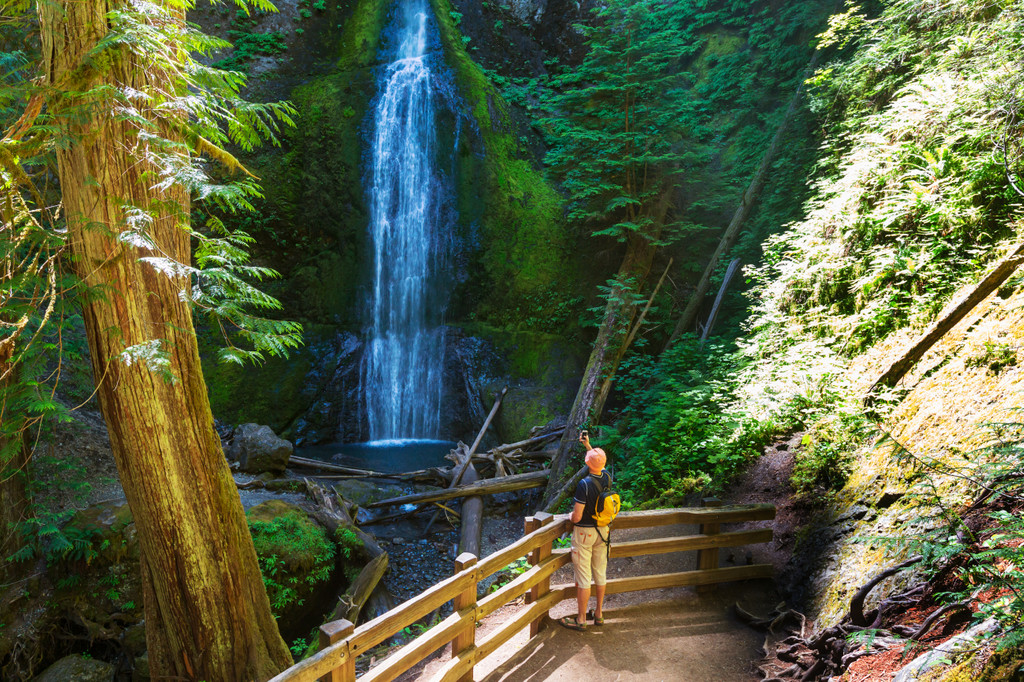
140,669
78,668
258,449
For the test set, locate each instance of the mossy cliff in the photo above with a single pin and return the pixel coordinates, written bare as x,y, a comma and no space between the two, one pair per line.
522,247
948,404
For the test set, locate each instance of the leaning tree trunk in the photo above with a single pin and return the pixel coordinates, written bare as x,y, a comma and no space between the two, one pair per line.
618,314
747,202
207,613
954,312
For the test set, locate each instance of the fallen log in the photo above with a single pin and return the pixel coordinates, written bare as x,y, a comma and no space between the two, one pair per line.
324,466
351,603
956,312
508,447
564,491
332,517
533,479
345,472
469,456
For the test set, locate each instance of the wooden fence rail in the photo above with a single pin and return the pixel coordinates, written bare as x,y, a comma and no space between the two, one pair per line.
341,643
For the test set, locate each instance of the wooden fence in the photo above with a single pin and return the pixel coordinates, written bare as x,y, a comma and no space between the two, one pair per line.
341,643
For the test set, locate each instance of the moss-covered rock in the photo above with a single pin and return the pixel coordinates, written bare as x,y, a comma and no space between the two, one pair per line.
297,560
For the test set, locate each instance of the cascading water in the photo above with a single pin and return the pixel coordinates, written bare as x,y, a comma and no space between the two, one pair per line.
402,366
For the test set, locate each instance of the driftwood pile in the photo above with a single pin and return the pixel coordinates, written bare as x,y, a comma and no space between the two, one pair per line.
792,655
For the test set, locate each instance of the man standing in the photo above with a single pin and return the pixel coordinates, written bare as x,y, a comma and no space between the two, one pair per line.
589,553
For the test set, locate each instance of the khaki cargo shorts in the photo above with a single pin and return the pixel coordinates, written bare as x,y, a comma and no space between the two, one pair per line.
589,551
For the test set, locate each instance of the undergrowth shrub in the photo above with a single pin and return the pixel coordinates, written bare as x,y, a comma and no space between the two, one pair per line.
825,461
682,429
913,195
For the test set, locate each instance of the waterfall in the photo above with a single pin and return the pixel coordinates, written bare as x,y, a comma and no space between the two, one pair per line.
402,366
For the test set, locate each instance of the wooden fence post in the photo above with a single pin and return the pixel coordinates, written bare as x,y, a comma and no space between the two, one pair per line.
332,633
543,587
529,525
708,558
467,638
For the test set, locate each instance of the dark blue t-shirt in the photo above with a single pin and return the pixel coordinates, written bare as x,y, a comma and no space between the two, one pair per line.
587,492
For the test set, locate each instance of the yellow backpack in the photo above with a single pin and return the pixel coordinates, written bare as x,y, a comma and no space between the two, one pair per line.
608,503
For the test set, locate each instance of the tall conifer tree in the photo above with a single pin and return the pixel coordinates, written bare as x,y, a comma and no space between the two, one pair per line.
121,92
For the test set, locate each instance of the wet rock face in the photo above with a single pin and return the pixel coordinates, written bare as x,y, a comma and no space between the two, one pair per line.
257,449
530,11
475,371
332,392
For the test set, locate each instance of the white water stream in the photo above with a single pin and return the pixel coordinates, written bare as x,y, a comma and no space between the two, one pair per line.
402,367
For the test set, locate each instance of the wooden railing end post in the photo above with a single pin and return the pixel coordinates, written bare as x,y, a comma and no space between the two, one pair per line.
707,559
332,633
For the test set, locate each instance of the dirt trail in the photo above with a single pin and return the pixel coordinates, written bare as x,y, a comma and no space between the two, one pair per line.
667,635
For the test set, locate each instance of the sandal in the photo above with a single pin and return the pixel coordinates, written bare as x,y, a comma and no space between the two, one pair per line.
597,621
571,623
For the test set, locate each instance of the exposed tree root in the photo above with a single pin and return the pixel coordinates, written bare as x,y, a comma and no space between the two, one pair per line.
791,655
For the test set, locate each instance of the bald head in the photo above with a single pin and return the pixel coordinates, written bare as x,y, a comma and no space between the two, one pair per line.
595,460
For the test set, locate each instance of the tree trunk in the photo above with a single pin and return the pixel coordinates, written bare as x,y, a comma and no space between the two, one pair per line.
747,203
207,613
618,314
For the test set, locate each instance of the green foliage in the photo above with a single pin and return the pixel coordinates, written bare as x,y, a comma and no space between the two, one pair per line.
993,356
825,461
292,552
619,118
510,573
682,428
913,195
348,542
249,45
675,96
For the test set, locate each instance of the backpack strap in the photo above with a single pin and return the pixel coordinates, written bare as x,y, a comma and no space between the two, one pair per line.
607,540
